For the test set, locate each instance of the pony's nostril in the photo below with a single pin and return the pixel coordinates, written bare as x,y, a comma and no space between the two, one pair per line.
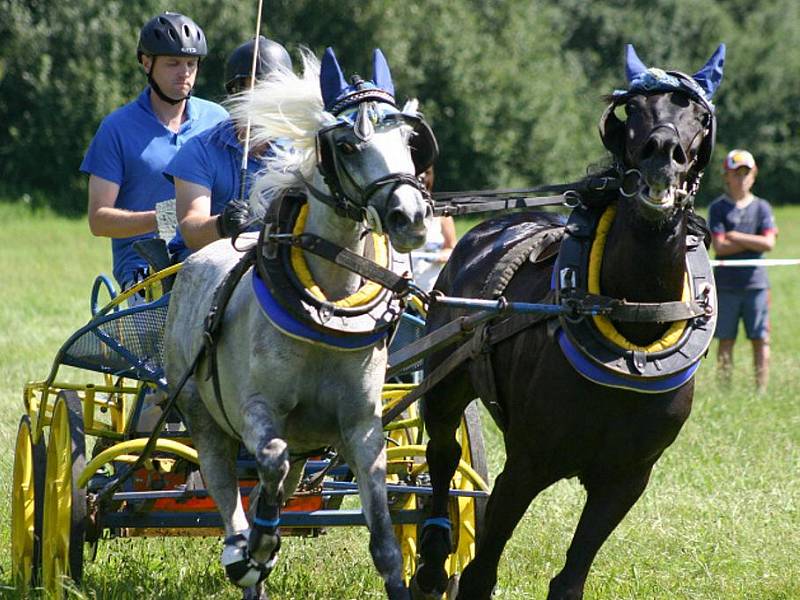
649,149
678,156
395,220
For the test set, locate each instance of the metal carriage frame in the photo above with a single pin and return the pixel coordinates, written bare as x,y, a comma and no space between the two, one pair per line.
63,498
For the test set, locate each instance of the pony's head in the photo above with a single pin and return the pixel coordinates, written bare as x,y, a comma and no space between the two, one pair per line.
371,156
351,137
665,137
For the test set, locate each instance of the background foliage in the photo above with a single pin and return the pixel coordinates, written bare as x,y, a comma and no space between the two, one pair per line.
511,87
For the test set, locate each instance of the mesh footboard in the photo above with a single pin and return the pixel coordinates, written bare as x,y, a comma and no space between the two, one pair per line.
127,343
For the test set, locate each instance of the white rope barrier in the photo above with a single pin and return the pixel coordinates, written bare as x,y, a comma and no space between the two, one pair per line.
756,262
423,255
744,262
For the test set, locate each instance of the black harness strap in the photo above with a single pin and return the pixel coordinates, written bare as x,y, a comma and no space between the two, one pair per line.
590,184
434,377
353,262
448,334
477,204
481,367
213,324
645,312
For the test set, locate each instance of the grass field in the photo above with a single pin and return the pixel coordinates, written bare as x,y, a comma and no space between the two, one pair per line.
720,519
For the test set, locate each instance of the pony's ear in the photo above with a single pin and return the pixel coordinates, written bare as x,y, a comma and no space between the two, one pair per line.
381,75
633,64
331,79
710,76
612,131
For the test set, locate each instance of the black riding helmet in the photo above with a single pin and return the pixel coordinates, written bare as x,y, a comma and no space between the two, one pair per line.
171,34
271,57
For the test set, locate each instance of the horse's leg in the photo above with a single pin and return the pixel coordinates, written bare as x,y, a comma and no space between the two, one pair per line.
217,452
261,438
514,490
442,413
363,448
608,501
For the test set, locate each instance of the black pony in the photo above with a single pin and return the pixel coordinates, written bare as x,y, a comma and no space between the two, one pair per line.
599,398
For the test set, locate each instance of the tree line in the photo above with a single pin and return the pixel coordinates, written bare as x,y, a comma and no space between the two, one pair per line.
512,88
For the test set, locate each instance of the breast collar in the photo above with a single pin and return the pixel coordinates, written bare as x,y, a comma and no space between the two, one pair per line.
655,369
300,313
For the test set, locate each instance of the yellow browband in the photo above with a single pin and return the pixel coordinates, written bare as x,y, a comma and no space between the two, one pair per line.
364,295
672,335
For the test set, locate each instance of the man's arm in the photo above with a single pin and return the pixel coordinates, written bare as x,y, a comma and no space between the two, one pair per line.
723,246
108,221
193,208
450,238
752,242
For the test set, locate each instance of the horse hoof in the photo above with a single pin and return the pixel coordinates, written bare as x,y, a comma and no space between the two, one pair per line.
398,592
256,592
417,593
240,567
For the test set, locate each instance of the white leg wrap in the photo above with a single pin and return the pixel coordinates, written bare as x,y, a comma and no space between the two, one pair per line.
237,564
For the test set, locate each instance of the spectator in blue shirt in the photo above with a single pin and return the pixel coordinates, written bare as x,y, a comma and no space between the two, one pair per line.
743,227
207,171
134,144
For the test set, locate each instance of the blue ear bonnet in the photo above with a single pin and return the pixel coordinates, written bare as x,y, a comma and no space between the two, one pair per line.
338,95
700,86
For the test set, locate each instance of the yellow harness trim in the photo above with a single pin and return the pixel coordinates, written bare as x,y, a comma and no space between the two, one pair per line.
606,327
366,294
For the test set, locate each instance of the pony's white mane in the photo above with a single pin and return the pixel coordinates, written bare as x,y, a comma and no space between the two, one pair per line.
285,112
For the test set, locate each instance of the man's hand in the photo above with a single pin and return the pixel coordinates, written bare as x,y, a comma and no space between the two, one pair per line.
233,218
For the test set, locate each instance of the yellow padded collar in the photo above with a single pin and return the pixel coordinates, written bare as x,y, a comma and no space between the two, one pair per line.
366,294
606,327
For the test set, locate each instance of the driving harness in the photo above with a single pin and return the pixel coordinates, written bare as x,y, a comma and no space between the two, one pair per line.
585,344
302,314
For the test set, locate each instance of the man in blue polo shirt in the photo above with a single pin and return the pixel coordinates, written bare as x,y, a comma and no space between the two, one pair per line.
133,145
207,170
743,227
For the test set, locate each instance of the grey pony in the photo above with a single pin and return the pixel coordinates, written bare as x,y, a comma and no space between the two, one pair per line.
282,394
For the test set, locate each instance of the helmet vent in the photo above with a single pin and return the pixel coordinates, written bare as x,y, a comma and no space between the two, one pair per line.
186,32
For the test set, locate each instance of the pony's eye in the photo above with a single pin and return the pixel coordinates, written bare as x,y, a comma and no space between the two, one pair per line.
346,147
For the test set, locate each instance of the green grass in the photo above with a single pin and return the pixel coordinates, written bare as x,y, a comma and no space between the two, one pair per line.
720,518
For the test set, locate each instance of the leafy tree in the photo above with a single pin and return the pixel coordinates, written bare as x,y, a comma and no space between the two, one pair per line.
511,87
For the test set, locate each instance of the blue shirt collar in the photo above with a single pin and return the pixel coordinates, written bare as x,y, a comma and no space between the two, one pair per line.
224,134
143,100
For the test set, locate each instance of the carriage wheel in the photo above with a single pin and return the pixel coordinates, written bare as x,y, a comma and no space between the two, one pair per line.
64,519
407,435
466,514
26,506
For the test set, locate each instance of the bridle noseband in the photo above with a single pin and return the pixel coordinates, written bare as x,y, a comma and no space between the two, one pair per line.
358,205
684,196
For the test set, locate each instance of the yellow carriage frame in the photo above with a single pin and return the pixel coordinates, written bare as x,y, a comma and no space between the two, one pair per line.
50,479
